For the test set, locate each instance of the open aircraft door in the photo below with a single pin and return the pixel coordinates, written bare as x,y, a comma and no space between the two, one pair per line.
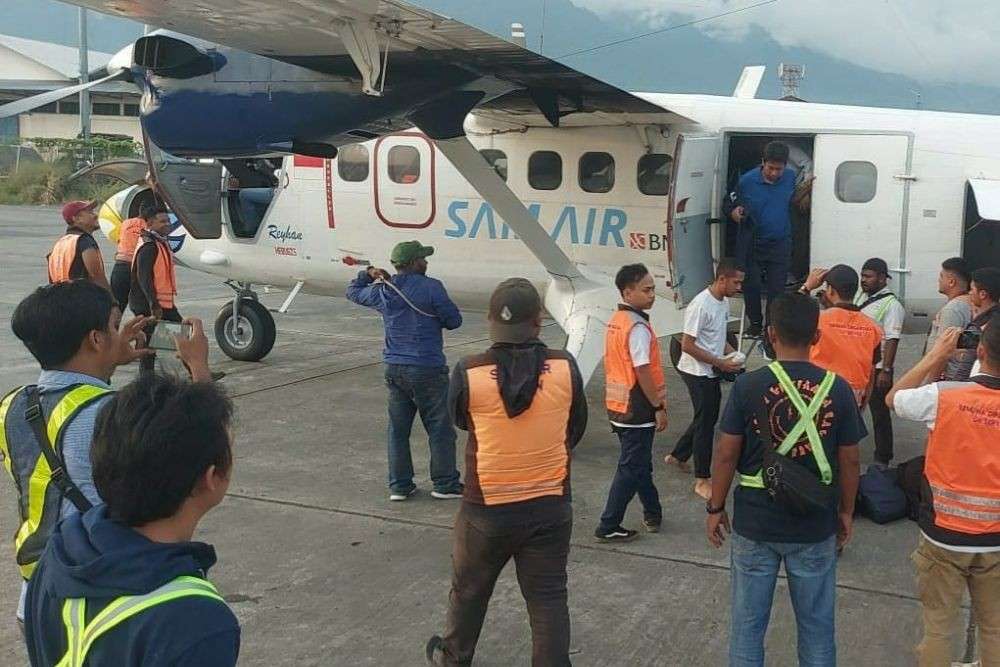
859,201
689,248
404,180
191,188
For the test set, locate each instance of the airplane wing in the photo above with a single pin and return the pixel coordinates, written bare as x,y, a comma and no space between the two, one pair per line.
330,36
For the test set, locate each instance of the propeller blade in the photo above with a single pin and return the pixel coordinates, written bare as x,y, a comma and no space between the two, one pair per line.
40,100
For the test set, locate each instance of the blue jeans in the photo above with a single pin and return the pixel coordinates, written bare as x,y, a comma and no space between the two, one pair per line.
634,475
422,389
766,262
812,578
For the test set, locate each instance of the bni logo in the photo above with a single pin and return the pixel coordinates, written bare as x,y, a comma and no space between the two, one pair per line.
637,241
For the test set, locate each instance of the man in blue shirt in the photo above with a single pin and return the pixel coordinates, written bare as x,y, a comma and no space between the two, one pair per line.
760,207
414,310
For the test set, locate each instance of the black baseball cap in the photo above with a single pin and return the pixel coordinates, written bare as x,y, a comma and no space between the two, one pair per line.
514,310
878,265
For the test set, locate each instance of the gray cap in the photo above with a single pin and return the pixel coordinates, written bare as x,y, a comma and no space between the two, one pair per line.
514,310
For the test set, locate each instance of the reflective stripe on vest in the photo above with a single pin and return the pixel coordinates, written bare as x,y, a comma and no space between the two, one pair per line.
806,424
164,277
80,635
527,456
620,378
883,308
39,500
963,459
61,258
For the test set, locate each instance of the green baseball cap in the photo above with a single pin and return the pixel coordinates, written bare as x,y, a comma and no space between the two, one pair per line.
408,251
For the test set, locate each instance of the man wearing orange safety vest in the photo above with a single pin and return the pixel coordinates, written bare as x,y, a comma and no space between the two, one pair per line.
635,396
154,283
76,256
129,235
850,342
524,408
959,545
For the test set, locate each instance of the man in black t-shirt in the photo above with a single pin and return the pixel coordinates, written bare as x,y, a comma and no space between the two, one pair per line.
766,532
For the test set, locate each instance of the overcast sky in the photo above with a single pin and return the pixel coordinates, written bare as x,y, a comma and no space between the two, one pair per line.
929,40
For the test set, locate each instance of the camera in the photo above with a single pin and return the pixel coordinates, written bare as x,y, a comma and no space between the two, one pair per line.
969,339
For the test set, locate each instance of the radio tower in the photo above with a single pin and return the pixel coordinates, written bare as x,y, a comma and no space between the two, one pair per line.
790,76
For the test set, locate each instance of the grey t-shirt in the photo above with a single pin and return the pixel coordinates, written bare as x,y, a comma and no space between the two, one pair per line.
955,313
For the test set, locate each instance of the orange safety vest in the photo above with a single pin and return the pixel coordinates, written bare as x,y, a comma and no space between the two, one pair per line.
510,460
61,258
962,467
128,239
623,397
164,277
847,343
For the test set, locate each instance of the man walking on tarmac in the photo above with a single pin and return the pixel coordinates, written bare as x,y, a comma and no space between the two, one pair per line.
849,342
959,547
525,409
154,280
878,302
76,255
414,310
635,395
800,420
129,235
704,355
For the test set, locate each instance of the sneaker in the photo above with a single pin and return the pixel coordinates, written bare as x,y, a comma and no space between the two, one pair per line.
652,524
451,494
618,534
399,496
434,651
754,331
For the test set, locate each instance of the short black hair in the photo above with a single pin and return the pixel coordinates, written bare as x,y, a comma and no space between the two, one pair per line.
776,151
154,440
988,280
795,318
150,211
844,279
53,321
728,266
959,267
629,275
991,339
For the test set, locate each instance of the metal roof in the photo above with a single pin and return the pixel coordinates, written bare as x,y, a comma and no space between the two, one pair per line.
63,59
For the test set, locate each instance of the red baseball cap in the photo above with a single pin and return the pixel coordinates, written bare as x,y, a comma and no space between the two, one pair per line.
70,209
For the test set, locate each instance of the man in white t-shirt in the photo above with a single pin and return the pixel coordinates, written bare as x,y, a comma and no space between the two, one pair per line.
878,302
704,353
959,545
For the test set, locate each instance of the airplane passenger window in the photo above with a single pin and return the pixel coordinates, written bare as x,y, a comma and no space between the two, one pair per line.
497,160
653,174
855,182
545,170
596,172
404,164
352,163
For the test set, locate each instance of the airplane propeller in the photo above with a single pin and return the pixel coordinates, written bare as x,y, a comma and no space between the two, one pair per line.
28,103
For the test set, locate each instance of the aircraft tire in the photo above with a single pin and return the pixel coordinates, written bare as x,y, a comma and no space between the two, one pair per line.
256,321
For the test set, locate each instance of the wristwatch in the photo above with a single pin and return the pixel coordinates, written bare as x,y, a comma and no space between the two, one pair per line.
714,510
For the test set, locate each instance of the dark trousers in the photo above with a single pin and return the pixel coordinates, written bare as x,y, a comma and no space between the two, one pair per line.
536,535
634,475
121,283
881,425
706,396
766,264
148,363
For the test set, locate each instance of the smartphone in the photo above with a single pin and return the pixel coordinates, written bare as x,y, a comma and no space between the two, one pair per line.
163,335
969,339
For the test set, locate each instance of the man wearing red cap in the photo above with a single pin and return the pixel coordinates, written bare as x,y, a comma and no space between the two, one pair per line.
76,255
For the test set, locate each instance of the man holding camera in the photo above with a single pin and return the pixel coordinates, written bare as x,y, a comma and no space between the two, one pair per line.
802,420
984,295
959,545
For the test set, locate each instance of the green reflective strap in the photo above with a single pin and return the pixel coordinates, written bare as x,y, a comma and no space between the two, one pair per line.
884,308
753,481
4,447
80,637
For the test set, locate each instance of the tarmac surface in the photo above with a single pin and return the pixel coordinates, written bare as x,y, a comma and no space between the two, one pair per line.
322,569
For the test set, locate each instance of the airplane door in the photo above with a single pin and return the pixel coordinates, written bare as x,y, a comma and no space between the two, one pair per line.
689,250
857,200
404,180
191,188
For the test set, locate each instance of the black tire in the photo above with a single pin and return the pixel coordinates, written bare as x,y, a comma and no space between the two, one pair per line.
258,323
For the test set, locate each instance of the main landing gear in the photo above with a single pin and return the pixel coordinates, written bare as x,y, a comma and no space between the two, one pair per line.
244,328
